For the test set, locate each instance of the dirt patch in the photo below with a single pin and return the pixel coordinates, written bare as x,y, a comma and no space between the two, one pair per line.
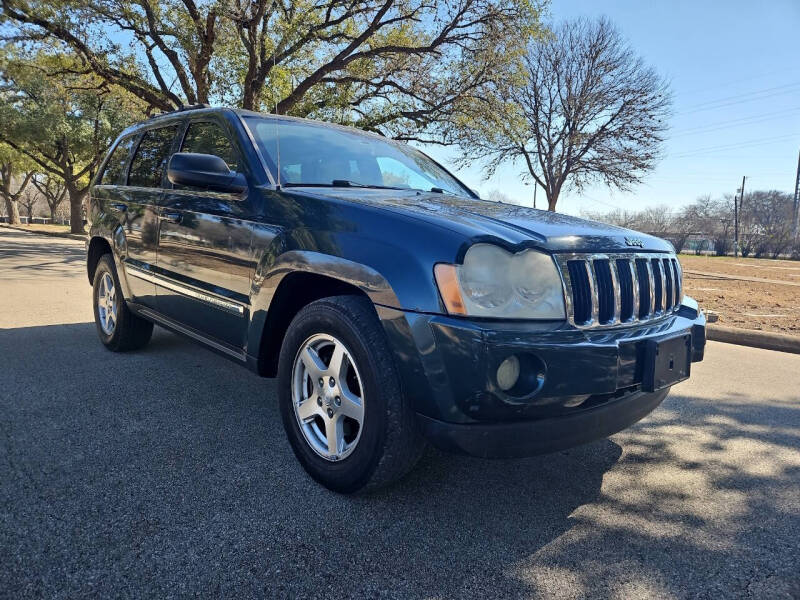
783,270
747,304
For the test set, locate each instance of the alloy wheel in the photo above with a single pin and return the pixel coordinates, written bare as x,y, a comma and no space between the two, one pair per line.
328,396
107,304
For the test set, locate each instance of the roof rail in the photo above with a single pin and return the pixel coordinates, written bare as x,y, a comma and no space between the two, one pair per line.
183,108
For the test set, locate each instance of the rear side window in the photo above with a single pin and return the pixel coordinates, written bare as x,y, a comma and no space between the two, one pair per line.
210,138
115,165
147,167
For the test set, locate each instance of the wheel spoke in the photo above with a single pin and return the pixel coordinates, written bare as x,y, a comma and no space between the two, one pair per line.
338,361
351,406
312,362
334,431
307,409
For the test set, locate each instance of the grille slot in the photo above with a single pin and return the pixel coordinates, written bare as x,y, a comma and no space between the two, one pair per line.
658,285
670,294
627,301
611,289
645,287
581,291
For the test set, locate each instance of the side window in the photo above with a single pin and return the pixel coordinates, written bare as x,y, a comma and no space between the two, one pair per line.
115,165
205,137
147,167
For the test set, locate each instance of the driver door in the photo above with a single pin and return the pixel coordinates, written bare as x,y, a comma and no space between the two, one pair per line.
204,258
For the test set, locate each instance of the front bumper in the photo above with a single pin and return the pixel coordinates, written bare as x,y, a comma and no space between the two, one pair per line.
540,436
581,384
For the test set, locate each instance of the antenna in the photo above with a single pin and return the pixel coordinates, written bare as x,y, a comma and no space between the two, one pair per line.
277,130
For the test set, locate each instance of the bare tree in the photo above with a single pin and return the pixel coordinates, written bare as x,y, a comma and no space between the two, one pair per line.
584,108
619,217
53,191
29,201
770,213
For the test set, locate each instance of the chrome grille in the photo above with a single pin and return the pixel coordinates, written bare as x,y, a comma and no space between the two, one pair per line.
604,290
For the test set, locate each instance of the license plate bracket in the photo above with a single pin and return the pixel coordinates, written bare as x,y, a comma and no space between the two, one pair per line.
667,362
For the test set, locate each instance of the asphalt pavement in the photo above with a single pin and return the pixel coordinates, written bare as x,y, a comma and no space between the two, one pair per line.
166,472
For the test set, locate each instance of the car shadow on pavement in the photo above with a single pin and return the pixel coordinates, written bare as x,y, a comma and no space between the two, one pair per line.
166,471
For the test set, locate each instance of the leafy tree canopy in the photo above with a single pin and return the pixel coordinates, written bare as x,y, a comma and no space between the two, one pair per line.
59,118
402,67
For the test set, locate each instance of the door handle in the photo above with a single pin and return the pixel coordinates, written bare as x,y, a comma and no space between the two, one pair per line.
119,206
172,217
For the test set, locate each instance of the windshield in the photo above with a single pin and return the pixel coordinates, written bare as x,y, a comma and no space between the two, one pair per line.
319,155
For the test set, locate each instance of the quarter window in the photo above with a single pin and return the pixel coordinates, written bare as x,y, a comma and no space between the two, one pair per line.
112,174
209,138
147,167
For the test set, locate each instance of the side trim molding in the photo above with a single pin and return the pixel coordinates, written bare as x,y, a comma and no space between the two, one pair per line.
225,304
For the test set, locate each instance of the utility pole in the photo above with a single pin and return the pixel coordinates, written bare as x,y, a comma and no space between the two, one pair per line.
536,185
796,214
736,211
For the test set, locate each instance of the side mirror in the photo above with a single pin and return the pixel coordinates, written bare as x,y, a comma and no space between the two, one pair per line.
204,171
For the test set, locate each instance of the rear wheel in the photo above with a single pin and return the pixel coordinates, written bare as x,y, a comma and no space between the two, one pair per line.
340,397
119,329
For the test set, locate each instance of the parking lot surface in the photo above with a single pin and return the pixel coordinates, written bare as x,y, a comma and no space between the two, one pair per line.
166,473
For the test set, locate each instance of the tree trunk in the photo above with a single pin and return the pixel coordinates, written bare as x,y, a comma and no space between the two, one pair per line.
52,214
76,209
12,208
552,197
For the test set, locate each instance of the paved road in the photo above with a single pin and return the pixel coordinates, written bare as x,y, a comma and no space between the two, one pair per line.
166,473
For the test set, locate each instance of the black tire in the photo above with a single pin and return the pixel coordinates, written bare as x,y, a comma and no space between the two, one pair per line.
390,443
130,331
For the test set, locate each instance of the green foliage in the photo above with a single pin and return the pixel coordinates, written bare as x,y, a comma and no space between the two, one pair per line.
407,68
58,118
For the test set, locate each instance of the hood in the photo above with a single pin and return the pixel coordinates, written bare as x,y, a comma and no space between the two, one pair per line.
514,224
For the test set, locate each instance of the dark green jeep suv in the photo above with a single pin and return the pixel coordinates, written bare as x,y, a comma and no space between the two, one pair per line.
394,306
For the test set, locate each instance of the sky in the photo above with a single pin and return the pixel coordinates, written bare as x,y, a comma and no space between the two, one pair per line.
734,71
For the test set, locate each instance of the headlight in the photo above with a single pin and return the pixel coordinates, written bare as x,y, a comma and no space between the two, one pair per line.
495,283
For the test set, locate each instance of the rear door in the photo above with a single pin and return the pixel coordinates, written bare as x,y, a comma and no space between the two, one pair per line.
138,204
204,244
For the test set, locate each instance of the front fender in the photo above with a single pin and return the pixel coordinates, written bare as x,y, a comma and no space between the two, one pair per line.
268,279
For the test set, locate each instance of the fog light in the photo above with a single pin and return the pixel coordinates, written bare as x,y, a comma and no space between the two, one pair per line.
508,373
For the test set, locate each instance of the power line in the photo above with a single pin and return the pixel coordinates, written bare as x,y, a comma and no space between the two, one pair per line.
730,82
736,146
595,200
787,87
734,122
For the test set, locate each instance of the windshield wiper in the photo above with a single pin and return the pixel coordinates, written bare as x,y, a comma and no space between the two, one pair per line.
344,183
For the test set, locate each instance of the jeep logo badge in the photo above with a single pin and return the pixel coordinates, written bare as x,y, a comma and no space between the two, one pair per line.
634,242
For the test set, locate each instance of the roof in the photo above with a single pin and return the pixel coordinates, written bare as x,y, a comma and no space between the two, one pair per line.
241,112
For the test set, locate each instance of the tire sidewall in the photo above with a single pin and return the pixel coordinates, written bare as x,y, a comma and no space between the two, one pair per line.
354,471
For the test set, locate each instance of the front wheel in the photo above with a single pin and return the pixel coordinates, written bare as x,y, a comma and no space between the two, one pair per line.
119,329
340,398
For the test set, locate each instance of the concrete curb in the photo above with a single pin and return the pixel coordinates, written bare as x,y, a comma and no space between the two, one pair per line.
71,236
755,339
